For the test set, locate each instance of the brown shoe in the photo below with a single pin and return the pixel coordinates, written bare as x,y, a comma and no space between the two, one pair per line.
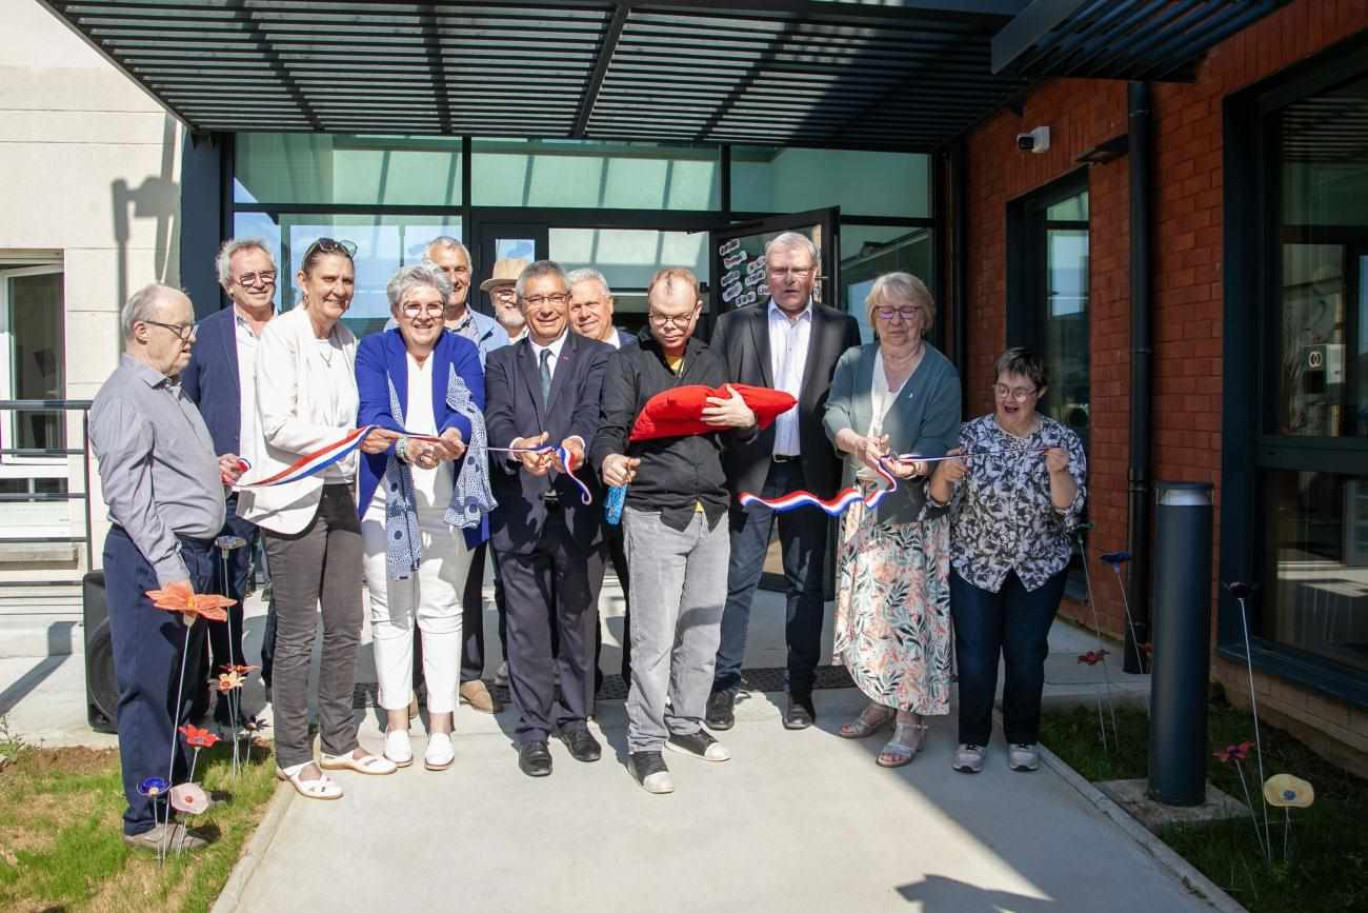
479,697
173,838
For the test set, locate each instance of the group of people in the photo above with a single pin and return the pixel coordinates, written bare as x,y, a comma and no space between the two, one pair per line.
505,435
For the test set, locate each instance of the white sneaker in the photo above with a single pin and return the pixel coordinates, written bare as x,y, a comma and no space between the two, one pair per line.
1023,757
398,749
501,677
968,759
440,752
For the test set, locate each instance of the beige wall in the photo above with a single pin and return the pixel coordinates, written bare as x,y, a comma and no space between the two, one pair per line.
91,167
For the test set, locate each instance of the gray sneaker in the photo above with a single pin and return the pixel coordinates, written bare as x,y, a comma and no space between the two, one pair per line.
968,759
176,841
1023,757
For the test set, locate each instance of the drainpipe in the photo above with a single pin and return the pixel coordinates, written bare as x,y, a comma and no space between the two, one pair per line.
1141,360
959,158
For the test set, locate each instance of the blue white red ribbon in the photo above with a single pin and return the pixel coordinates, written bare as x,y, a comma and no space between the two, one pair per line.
566,459
314,463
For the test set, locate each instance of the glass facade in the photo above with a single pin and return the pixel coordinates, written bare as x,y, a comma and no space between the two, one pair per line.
777,179
628,258
1065,339
868,251
344,169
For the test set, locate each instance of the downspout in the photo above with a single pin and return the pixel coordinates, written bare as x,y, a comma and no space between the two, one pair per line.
959,158
1141,377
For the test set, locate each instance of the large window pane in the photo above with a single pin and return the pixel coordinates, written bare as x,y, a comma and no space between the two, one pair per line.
593,174
628,258
1322,305
869,251
1066,327
775,179
323,168
32,335
1318,544
383,244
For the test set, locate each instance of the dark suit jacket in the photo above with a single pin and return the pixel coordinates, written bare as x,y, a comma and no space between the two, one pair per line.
210,380
514,409
742,338
624,338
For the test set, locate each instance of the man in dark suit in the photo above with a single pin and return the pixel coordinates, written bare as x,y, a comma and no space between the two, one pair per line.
545,390
792,344
221,380
591,315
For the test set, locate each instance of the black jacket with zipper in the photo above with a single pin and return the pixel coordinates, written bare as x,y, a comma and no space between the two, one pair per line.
675,473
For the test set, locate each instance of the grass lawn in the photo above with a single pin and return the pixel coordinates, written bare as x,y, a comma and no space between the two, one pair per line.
1327,866
61,845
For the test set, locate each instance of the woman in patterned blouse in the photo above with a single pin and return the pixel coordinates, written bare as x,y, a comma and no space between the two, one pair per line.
1012,516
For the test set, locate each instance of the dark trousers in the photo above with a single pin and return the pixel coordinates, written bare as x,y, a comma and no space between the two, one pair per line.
147,645
803,537
225,637
617,553
1014,623
554,587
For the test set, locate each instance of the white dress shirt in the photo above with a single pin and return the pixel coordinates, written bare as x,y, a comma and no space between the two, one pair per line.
555,348
788,339
247,345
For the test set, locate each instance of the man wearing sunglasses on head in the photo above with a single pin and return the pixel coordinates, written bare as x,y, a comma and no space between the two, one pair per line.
221,380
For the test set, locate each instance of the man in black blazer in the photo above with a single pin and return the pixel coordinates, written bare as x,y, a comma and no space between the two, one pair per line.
221,380
591,315
791,344
545,389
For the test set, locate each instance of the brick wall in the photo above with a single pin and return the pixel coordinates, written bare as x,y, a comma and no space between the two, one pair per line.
1187,284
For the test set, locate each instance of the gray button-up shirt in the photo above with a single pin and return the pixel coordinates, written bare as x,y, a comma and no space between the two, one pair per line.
157,465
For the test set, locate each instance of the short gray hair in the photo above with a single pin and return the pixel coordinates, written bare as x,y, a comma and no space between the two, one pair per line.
1024,363
426,273
589,274
539,269
896,288
142,306
792,240
224,261
447,242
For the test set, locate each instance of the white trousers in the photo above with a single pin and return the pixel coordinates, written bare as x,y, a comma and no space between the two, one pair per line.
431,597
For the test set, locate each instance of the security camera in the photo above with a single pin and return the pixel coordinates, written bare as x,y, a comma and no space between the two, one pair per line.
1037,141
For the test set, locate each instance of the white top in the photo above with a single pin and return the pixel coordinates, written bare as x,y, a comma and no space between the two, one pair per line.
247,344
614,339
788,339
881,399
419,419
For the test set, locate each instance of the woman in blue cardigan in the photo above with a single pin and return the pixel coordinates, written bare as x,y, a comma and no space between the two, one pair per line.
422,502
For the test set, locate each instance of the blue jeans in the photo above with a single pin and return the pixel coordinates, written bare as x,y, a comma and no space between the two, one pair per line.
147,645
1014,622
802,536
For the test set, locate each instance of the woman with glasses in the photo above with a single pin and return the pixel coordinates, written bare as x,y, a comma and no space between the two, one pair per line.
306,400
891,399
423,501
1013,501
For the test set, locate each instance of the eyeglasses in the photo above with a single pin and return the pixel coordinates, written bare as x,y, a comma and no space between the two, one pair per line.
906,313
504,291
265,277
537,301
791,272
330,246
665,320
425,310
183,330
1020,394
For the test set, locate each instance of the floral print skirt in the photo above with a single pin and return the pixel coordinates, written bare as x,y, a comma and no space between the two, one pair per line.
893,610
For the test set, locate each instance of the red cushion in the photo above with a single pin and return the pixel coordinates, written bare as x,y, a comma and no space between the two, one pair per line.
678,412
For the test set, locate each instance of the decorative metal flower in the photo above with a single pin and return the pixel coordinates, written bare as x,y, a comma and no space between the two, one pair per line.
152,786
1116,559
179,597
1287,791
1234,752
230,680
240,670
198,738
1239,590
189,799
1092,657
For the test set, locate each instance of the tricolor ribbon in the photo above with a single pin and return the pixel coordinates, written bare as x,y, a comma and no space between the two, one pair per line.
567,460
314,463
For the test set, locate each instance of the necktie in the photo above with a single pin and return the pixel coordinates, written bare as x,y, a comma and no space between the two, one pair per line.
546,375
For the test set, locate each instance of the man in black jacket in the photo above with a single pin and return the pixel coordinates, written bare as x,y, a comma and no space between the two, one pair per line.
677,542
793,345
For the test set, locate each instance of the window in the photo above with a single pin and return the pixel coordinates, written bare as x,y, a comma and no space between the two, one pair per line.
776,179
32,356
868,252
340,169
628,259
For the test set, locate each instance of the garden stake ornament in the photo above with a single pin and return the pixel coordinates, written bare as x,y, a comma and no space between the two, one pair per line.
1117,560
1241,592
226,544
1101,652
1287,792
1236,754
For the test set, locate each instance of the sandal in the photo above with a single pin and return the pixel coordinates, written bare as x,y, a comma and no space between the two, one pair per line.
906,742
871,720
320,787
366,764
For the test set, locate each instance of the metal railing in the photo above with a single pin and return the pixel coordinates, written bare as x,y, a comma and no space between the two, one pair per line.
7,454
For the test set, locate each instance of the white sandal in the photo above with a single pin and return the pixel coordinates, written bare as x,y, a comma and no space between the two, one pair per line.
366,764
322,787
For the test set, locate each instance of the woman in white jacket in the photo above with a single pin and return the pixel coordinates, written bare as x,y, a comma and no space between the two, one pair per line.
306,399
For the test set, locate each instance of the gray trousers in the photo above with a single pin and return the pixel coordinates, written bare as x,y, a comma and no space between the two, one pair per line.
320,567
679,587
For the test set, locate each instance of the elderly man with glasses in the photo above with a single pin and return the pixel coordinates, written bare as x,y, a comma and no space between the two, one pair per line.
163,485
221,380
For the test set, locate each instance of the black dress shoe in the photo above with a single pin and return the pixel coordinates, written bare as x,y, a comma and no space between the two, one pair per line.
799,713
583,746
720,714
534,759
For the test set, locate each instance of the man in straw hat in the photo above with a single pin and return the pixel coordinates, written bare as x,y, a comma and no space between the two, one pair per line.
500,288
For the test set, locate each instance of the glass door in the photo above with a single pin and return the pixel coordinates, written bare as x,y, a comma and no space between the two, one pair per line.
496,241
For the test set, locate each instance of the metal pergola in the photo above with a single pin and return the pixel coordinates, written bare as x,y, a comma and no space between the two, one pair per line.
874,74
